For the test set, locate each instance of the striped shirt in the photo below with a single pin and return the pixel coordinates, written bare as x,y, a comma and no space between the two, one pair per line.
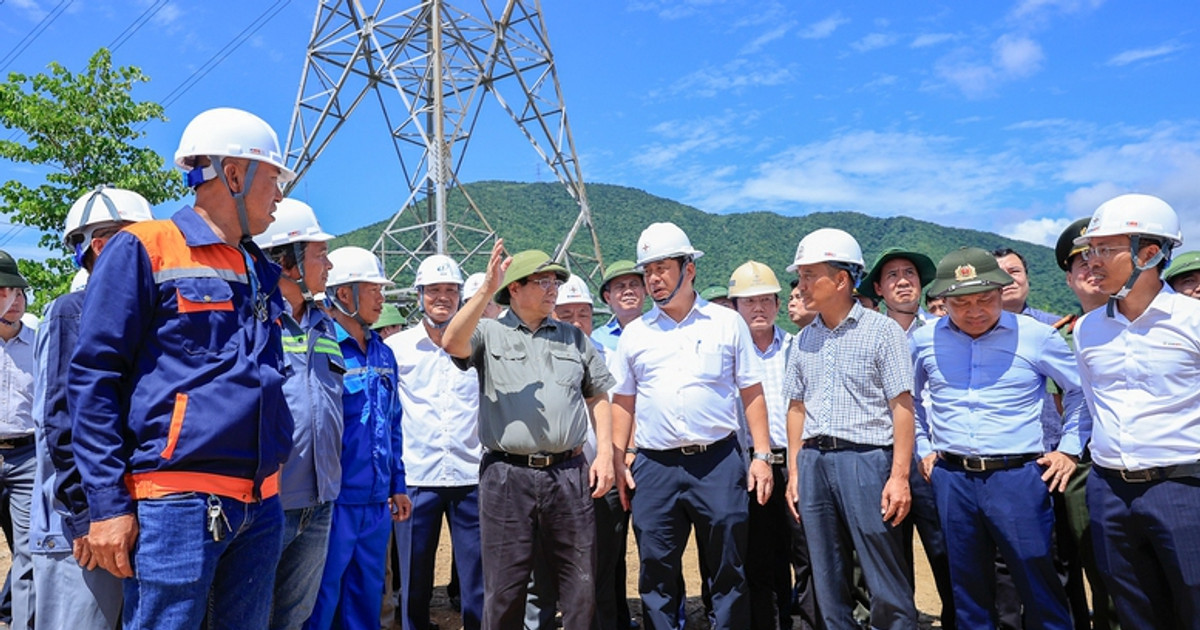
846,376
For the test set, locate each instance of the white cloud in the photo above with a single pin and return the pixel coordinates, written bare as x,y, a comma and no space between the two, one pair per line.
874,41
767,37
734,75
1142,54
674,9
1041,231
1017,56
1033,8
1013,57
926,40
824,28
681,139
30,8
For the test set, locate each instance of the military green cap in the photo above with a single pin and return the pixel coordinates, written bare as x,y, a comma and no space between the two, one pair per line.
714,292
617,269
389,317
925,270
967,271
1183,264
525,264
10,275
1065,248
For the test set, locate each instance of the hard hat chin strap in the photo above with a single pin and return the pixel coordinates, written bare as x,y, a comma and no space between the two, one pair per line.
1164,250
298,255
239,197
678,284
351,314
421,307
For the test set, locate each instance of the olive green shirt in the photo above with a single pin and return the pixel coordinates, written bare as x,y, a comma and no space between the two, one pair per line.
533,384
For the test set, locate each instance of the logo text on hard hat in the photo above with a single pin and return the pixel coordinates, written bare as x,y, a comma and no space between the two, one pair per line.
964,272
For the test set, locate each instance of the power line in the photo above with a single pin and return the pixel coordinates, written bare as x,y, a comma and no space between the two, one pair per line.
137,24
224,52
33,34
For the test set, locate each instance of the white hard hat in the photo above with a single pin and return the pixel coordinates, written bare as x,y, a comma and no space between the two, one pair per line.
473,284
1134,214
228,132
574,291
438,269
751,279
355,264
660,241
827,245
103,206
295,222
79,280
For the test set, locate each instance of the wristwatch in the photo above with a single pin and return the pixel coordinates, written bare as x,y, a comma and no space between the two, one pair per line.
763,457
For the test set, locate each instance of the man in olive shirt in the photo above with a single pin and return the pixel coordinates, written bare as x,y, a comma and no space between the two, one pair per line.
539,379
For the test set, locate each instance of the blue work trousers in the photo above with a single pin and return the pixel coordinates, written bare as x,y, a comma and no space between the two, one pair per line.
1009,510
676,492
840,495
182,576
351,594
1147,542
417,544
298,578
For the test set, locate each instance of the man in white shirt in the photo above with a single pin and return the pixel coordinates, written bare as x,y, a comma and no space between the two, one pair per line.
686,366
441,407
1138,360
17,461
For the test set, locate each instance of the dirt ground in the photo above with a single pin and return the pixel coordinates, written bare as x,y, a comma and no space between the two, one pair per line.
448,619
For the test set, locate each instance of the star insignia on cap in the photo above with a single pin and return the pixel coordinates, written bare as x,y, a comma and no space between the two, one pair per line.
964,272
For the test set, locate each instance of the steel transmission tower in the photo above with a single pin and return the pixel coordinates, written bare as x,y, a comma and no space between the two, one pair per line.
431,66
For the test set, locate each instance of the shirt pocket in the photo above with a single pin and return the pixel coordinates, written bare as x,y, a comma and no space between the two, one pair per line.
207,320
567,366
508,366
712,364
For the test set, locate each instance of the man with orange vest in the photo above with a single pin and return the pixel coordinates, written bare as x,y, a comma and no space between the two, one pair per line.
180,422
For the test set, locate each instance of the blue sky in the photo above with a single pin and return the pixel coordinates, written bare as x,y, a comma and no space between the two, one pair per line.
1014,117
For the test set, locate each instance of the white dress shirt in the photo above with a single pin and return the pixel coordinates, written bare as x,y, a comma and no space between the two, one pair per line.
440,416
1139,379
687,375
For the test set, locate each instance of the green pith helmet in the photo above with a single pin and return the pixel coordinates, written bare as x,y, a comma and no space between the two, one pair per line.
1066,249
616,270
715,293
1183,264
925,270
525,264
966,271
10,275
389,317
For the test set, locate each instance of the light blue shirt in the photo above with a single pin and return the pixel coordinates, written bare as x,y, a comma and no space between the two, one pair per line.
608,335
987,393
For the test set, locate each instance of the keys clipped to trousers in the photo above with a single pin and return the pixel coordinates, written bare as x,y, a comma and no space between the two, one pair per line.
218,523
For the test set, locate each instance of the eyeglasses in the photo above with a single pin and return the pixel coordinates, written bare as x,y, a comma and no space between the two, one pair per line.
545,283
1105,252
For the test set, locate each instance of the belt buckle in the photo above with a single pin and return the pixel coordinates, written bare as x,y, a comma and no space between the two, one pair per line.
692,449
1137,476
778,459
540,460
966,464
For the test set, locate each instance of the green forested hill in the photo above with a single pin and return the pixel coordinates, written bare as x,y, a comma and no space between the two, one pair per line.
539,215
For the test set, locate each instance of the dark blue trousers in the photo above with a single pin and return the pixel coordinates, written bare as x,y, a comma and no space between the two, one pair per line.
417,543
674,493
1147,542
1009,510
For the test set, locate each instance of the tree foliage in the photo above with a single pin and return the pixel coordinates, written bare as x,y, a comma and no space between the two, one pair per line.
81,128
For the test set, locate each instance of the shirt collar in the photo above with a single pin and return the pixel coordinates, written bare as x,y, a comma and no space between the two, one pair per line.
1008,321
855,314
698,306
196,231
510,319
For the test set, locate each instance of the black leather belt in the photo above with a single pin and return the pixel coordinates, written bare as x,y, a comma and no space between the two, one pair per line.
830,443
536,460
1150,474
988,463
16,442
